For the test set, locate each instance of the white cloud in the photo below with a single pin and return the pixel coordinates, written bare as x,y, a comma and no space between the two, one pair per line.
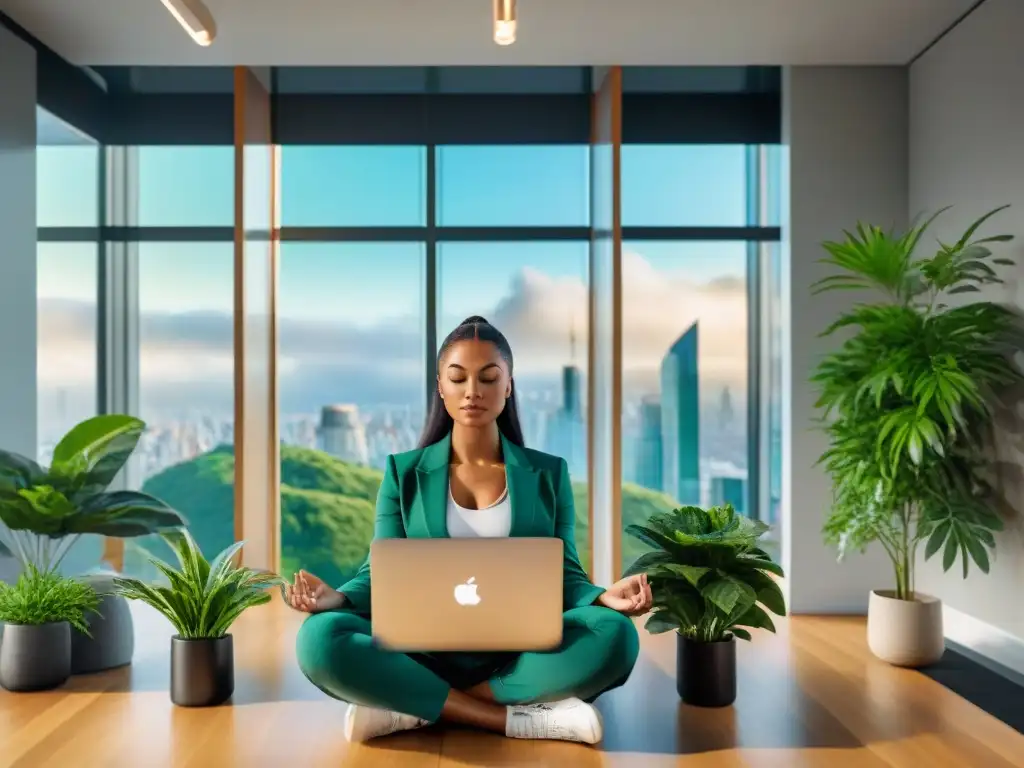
186,354
537,316
658,309
539,311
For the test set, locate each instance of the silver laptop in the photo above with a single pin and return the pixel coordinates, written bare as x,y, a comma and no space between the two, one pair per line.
500,594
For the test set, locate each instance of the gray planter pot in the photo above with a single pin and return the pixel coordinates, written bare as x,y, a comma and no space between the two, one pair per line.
113,634
35,658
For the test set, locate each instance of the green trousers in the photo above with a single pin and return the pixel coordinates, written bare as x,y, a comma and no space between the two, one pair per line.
337,654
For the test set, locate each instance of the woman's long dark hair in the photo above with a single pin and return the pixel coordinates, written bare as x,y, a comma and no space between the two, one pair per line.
439,423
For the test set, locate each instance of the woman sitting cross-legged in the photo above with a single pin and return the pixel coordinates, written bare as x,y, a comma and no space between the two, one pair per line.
473,445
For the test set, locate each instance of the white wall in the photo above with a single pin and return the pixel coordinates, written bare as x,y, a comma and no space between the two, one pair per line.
845,156
967,150
17,249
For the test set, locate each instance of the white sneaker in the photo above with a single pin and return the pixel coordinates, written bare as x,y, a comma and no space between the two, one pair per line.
567,720
365,723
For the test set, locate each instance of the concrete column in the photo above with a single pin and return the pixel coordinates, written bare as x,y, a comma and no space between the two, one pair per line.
18,262
845,160
18,252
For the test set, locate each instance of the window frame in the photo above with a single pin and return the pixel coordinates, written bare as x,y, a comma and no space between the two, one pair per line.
757,232
118,236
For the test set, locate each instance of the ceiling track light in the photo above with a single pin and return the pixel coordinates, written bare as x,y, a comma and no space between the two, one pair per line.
504,22
195,17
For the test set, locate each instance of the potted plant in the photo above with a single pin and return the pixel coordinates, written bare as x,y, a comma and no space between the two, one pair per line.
39,611
907,402
711,583
45,511
201,600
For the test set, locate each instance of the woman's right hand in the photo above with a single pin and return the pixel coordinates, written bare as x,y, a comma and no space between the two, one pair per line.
311,594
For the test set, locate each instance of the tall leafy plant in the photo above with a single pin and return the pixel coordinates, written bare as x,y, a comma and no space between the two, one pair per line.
45,511
708,576
907,399
201,599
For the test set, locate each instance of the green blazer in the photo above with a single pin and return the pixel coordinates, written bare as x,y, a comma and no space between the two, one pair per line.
413,503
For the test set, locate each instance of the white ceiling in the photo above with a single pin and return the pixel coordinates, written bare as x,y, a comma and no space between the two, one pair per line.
452,32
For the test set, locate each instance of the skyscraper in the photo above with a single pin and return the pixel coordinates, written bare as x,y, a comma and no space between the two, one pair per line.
341,434
726,412
650,456
565,434
729,490
680,419
571,389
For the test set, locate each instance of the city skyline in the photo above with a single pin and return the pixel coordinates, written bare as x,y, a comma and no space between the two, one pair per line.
179,348
351,314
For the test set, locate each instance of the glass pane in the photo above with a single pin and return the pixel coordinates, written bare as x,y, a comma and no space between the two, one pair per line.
537,294
684,359
350,367
186,186
66,285
186,391
67,175
325,186
67,326
513,186
684,186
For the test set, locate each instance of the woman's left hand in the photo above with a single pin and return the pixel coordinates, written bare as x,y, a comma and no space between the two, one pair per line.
630,596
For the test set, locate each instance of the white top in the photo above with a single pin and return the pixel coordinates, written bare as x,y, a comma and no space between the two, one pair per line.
494,521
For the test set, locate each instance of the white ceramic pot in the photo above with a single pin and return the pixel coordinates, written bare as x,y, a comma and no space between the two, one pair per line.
907,633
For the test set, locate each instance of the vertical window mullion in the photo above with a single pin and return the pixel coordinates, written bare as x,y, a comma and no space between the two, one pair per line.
430,279
119,321
103,286
754,345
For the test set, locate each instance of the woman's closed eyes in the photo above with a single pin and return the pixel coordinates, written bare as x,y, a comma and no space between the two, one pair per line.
482,381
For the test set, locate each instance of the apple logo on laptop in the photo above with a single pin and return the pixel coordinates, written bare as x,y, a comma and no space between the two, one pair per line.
465,594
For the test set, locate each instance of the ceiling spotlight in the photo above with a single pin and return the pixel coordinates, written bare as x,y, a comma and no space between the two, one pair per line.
504,22
195,17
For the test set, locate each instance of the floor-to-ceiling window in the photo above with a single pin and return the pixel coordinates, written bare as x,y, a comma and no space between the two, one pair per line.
384,248
688,215
177,288
350,356
351,341
67,217
369,254
67,199
524,267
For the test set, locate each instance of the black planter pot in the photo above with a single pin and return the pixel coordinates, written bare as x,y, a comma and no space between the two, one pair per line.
35,658
706,672
202,671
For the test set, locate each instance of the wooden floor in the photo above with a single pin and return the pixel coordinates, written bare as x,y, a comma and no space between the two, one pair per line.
810,696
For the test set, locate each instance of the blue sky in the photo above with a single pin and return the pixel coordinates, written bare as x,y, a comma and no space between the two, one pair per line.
342,303
381,186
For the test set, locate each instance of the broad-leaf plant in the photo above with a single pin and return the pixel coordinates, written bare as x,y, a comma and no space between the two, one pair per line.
908,397
709,577
43,511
